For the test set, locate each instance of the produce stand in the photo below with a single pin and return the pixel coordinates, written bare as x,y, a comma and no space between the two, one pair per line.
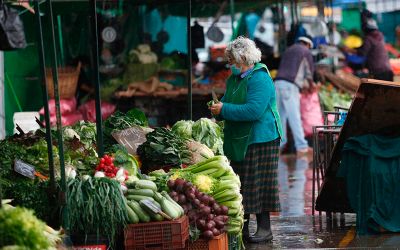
88,184
373,110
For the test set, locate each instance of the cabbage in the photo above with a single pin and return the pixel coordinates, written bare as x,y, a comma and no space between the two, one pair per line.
183,129
209,133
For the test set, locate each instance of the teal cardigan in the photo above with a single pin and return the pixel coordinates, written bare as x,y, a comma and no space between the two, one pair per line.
260,96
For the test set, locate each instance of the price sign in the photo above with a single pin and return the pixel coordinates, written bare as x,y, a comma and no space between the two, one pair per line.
24,169
131,138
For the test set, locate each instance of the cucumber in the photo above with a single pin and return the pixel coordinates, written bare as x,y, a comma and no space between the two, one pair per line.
169,208
176,205
146,184
142,192
143,216
133,218
138,198
154,216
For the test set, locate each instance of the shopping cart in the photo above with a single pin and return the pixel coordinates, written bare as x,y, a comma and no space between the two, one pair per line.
324,140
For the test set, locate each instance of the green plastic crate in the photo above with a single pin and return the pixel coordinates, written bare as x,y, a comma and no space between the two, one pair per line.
233,242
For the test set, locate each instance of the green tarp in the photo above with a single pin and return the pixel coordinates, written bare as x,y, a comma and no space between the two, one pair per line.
371,166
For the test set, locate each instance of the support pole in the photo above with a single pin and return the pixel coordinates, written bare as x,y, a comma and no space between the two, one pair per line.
232,8
96,76
189,46
63,193
43,82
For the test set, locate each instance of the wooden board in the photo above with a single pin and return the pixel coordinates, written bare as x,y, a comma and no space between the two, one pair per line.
375,109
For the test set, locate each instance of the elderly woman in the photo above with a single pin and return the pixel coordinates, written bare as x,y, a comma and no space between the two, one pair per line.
252,133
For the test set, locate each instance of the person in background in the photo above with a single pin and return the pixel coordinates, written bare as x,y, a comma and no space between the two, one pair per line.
334,38
252,133
373,48
295,74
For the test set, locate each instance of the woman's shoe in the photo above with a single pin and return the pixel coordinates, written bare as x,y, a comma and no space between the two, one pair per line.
264,233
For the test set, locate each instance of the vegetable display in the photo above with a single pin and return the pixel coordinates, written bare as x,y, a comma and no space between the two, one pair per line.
204,131
96,206
106,166
19,227
107,193
183,129
162,149
331,97
138,211
203,211
217,178
198,151
120,121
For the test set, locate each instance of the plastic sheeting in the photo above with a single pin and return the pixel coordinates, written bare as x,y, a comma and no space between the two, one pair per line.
371,166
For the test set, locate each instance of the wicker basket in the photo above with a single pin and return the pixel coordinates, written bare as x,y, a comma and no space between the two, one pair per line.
67,81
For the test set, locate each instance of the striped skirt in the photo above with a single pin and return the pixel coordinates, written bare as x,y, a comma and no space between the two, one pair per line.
258,174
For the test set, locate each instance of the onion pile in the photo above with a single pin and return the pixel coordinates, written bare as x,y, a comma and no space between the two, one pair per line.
203,211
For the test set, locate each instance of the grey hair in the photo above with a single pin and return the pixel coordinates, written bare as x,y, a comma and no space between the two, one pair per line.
243,51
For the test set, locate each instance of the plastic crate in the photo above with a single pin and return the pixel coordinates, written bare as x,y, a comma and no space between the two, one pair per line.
219,242
157,235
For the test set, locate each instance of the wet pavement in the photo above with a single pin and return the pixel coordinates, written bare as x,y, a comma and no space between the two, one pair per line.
295,228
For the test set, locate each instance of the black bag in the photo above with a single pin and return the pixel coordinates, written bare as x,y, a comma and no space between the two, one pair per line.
12,34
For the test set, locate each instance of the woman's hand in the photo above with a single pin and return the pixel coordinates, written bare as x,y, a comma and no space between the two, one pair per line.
216,108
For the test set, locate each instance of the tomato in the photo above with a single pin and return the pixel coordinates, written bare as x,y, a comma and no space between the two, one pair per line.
102,160
112,175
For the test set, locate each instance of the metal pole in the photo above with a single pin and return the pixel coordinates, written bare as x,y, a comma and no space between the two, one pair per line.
96,76
232,7
59,125
292,13
189,46
44,94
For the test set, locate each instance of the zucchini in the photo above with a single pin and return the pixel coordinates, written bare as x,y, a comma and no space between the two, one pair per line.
169,208
142,192
146,184
157,204
176,205
154,216
138,198
133,218
157,196
130,184
143,216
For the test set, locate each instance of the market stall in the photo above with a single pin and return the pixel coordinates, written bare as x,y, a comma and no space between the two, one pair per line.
372,116
182,178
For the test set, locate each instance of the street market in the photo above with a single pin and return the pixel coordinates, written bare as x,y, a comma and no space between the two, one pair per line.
189,124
